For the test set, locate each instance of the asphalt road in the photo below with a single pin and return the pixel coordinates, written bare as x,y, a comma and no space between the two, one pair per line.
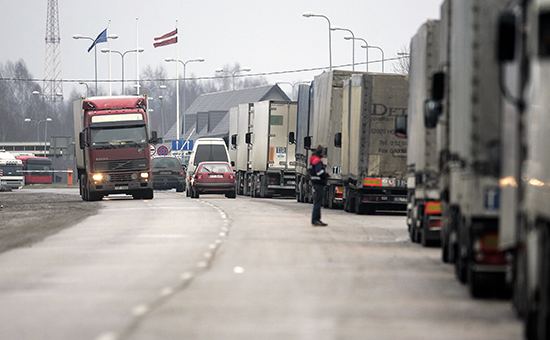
216,268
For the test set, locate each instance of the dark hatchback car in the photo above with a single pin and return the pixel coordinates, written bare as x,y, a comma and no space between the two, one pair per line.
213,178
168,173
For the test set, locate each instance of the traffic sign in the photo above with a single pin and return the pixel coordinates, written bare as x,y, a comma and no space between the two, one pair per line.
152,149
182,144
162,150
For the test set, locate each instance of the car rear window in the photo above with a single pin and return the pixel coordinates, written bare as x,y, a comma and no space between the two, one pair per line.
209,153
215,168
165,163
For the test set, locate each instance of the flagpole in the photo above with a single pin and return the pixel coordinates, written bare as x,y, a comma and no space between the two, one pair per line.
177,92
137,54
110,82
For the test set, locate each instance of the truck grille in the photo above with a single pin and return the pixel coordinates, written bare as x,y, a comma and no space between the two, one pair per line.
121,165
126,177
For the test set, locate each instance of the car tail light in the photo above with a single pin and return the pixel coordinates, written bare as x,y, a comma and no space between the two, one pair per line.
232,176
199,176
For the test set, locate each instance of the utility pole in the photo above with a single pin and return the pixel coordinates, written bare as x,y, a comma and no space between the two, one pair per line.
52,67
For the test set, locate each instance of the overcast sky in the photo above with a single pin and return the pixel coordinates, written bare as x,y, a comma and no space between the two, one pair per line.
267,36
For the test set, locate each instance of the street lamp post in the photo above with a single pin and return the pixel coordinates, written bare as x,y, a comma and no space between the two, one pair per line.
162,87
80,36
200,60
336,28
246,69
309,15
87,88
293,84
122,54
38,128
367,46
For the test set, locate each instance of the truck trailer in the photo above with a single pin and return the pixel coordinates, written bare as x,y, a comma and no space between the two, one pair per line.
113,153
523,52
373,160
325,124
423,204
303,150
469,164
271,151
243,115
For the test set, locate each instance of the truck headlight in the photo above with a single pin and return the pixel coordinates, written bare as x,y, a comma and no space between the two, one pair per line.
144,175
97,177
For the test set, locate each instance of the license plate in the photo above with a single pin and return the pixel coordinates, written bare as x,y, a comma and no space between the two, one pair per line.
121,187
401,199
216,176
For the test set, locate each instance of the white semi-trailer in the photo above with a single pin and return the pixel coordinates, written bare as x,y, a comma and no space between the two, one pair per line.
373,160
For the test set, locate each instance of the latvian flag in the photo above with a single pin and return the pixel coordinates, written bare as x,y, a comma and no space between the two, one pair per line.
167,39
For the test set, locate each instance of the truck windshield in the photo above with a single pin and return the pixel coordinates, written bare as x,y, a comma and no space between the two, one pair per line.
11,170
119,137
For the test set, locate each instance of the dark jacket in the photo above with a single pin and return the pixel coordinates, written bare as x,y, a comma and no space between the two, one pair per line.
317,170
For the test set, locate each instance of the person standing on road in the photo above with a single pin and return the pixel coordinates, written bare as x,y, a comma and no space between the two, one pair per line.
318,177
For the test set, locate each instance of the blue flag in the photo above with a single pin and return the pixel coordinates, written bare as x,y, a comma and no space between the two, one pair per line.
101,38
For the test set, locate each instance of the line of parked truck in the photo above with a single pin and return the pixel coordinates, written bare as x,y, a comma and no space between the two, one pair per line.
478,129
473,173
352,114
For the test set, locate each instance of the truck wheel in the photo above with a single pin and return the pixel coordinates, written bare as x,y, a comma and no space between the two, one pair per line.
231,194
351,203
475,283
360,208
263,186
179,188
461,261
542,328
148,194
94,196
83,188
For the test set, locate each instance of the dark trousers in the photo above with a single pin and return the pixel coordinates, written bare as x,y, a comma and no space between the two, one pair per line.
318,190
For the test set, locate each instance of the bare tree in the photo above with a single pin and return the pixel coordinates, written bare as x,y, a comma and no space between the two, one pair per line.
403,61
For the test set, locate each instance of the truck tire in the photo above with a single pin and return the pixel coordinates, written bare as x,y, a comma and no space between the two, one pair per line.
360,208
461,262
179,188
541,316
94,196
83,188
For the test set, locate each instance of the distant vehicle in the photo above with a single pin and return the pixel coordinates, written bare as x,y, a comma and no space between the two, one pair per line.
206,150
213,178
37,170
168,173
11,171
112,153
264,143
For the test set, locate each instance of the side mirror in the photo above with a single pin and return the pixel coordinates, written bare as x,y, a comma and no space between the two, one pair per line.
401,126
432,111
248,138
291,138
154,138
338,140
234,140
438,86
506,36
232,163
81,140
307,143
